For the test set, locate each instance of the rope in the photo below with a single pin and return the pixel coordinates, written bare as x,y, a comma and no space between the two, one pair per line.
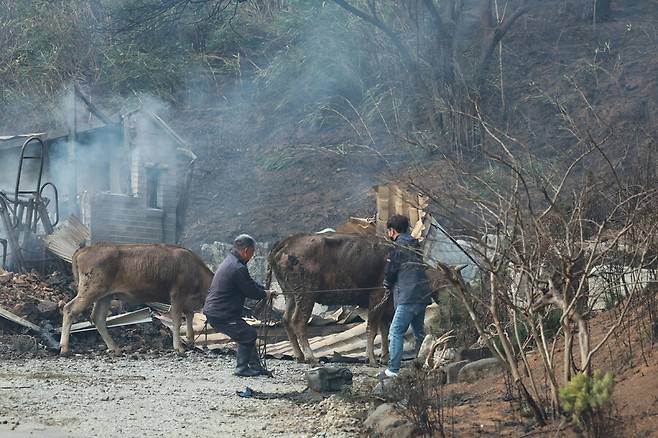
265,318
318,291
204,332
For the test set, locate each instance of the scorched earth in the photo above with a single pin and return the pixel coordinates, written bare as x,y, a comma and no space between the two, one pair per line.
166,395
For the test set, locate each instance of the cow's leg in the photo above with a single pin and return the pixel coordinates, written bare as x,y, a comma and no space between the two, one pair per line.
300,318
189,319
99,315
73,308
384,326
176,315
287,325
371,331
375,324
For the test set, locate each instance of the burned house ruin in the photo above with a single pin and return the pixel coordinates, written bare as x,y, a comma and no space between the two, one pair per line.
125,178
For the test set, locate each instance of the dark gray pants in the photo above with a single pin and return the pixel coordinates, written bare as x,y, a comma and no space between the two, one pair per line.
238,330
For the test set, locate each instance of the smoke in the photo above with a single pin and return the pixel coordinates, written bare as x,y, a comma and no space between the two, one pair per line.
292,119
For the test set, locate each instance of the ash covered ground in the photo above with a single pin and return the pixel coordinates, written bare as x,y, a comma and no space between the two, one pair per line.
162,394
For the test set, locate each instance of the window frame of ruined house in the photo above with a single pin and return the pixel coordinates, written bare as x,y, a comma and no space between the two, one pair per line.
157,193
154,196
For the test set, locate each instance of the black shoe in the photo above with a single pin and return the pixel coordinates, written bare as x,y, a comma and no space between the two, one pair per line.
245,372
243,356
254,363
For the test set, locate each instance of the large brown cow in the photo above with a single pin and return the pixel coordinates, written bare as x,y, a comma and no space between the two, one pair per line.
136,274
349,268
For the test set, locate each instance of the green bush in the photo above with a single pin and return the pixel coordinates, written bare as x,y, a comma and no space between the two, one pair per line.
586,400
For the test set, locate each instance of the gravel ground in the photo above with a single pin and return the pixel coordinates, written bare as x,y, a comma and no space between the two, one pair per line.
167,395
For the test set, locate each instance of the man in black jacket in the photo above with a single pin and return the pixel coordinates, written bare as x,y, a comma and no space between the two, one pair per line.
405,276
230,287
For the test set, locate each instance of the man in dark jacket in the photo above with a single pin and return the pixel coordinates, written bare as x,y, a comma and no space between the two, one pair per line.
230,287
405,276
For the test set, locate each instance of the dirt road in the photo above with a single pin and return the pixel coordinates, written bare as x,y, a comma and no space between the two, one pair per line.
164,395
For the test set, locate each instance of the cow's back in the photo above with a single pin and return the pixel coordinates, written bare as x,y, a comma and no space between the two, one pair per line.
145,272
348,266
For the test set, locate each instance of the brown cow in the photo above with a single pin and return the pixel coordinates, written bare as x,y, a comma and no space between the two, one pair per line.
349,267
137,274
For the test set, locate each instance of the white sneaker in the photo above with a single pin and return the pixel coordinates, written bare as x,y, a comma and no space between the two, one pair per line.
386,374
390,373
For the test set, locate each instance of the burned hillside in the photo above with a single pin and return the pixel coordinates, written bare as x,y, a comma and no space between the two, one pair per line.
519,137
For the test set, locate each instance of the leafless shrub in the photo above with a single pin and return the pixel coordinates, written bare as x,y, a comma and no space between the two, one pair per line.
548,231
23,343
419,396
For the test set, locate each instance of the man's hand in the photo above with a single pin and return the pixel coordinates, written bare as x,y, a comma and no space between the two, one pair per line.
271,294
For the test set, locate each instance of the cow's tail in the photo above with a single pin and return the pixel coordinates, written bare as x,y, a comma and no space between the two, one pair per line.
74,263
270,261
74,268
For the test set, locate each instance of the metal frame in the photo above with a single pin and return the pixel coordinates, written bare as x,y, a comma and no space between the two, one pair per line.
21,215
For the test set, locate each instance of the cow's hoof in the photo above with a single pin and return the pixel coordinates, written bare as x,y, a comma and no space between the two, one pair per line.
65,353
181,353
116,352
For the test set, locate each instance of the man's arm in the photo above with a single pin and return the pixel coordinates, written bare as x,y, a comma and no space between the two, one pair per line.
392,268
248,286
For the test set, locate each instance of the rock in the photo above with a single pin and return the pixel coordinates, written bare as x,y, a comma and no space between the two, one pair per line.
425,348
5,277
480,369
474,353
449,355
452,370
406,430
385,422
330,379
48,309
383,388
26,310
433,320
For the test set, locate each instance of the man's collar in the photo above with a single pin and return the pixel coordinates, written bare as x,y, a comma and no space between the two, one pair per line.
235,254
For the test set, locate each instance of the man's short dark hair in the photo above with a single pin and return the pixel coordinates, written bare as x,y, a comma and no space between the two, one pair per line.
244,241
399,223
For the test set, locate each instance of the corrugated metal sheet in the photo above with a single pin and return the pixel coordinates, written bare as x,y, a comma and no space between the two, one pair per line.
327,341
66,238
136,317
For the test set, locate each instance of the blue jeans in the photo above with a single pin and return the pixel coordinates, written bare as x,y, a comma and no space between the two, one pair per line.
405,314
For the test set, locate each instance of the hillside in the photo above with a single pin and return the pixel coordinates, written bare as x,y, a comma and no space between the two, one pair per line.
266,172
296,109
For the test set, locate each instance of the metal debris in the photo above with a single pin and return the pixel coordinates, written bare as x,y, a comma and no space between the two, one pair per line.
45,335
140,316
66,238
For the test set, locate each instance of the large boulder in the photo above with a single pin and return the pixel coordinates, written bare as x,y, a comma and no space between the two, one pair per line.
480,369
385,422
452,370
473,354
214,253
